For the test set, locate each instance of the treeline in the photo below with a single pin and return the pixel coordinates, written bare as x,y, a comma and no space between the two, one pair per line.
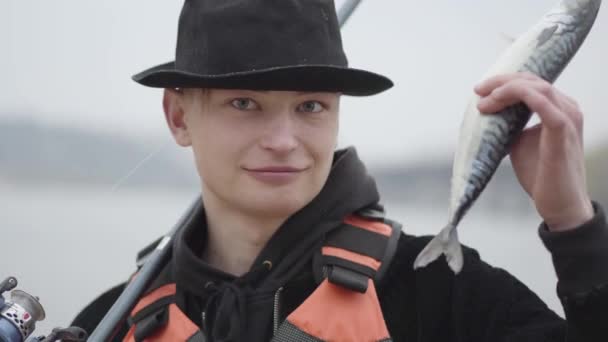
34,152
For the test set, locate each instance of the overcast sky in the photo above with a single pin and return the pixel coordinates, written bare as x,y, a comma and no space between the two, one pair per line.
70,62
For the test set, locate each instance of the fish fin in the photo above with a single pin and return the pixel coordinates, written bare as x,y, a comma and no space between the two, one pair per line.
453,253
446,242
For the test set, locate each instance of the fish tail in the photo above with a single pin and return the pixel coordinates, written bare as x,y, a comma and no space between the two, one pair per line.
446,242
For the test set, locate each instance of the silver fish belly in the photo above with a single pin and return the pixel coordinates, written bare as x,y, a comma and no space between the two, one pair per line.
484,141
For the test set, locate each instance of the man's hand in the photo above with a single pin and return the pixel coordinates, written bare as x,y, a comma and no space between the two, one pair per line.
548,158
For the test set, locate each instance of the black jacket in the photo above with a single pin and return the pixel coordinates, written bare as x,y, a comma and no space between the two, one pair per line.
482,303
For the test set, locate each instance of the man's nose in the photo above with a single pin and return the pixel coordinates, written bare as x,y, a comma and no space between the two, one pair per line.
280,135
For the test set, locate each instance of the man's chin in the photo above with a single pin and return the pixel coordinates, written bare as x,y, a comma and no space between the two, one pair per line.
277,208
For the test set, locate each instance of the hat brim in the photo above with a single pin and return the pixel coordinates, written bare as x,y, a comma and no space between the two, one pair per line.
328,78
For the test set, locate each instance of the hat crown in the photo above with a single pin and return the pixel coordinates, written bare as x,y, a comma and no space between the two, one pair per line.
218,37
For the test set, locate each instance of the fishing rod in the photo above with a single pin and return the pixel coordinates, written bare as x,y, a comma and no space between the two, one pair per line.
159,257
155,261
346,10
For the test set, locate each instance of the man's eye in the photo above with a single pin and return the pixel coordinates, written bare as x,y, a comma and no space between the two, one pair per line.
244,104
310,107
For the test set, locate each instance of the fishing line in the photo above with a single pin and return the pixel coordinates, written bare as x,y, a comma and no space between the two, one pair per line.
137,166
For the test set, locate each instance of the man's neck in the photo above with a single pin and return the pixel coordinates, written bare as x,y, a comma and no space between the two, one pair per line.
234,239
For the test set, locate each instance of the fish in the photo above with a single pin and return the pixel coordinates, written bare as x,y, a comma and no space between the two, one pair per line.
544,50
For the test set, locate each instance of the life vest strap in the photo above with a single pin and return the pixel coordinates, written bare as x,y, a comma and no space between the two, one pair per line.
151,318
358,240
151,323
331,262
167,323
151,309
357,251
348,278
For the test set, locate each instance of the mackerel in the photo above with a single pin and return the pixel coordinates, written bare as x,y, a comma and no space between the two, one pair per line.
544,50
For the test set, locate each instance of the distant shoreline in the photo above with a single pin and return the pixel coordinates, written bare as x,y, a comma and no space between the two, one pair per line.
73,157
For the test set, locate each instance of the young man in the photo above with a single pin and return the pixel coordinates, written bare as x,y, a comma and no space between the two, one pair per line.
255,91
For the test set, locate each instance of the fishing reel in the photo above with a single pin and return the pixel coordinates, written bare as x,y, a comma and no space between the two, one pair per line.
18,318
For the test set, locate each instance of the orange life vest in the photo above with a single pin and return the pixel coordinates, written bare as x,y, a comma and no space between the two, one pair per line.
344,307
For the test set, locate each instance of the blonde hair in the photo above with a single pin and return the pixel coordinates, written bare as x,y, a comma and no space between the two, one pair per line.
194,97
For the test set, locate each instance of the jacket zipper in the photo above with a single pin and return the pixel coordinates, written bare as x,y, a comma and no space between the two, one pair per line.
276,310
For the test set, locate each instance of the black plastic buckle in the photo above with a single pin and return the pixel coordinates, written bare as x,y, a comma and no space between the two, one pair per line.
350,279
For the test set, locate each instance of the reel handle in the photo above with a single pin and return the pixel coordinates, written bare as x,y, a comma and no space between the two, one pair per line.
8,284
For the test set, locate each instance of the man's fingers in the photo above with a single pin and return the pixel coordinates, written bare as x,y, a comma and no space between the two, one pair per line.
541,97
508,94
485,87
555,109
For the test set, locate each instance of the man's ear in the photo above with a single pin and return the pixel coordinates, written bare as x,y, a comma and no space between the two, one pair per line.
175,116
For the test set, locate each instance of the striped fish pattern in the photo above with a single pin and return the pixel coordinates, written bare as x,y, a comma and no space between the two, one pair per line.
484,141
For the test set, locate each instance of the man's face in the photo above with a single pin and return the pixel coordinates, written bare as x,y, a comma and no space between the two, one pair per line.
264,153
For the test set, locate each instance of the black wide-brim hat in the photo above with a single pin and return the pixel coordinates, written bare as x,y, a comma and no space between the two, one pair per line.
261,45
